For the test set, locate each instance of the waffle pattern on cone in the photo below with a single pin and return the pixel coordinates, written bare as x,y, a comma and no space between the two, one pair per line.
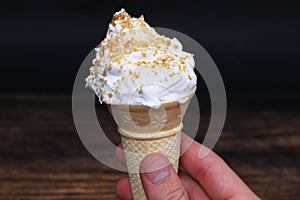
137,149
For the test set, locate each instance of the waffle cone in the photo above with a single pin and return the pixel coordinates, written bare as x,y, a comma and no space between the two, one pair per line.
146,130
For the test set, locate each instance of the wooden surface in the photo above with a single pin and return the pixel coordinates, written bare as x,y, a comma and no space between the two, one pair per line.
42,157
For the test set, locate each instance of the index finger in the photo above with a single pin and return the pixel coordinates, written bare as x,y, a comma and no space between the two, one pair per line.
212,173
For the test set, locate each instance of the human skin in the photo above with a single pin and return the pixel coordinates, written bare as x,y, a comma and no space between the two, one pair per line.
209,177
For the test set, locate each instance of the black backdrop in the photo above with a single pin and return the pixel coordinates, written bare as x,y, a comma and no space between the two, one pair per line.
254,44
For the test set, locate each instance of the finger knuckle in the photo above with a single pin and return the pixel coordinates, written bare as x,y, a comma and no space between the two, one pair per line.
173,191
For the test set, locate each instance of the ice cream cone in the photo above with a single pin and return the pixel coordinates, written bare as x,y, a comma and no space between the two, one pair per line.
146,130
138,73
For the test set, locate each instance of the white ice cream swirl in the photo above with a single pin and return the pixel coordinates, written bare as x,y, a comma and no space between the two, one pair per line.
136,65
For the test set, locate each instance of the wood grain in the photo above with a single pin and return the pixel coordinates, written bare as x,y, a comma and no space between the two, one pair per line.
42,157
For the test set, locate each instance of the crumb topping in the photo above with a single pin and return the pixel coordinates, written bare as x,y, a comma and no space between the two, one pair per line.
133,54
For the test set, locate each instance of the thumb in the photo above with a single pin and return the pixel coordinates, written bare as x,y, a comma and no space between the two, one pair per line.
160,180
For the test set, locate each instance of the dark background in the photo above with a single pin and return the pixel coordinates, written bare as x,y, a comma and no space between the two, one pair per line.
254,44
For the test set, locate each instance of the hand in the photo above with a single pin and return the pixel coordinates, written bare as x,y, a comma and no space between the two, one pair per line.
211,177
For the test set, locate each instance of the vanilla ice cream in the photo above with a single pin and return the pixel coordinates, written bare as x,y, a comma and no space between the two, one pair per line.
137,66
